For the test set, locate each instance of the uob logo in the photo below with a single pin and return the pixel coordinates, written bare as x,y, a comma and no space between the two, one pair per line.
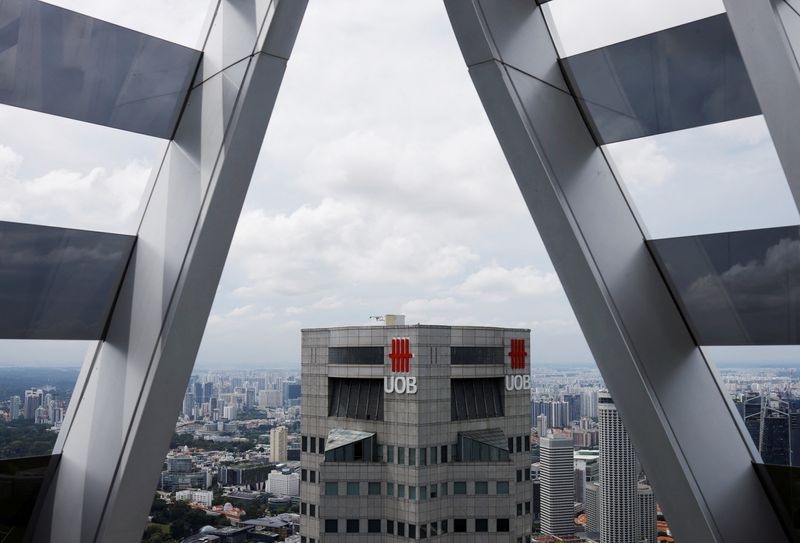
517,355
401,356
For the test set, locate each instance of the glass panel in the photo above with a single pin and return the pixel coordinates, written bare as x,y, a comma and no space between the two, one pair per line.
21,479
63,63
355,355
58,283
716,178
582,25
687,76
737,288
179,21
783,487
476,355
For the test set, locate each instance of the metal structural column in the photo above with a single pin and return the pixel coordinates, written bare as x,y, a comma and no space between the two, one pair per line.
122,416
768,35
681,422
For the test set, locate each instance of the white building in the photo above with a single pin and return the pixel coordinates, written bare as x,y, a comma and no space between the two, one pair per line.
202,497
556,475
592,495
270,398
646,513
278,444
283,484
618,476
230,412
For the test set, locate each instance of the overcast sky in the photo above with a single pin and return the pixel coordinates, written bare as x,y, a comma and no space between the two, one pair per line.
380,187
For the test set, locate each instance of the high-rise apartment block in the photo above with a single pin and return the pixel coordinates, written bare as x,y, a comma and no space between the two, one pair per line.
278,444
591,494
557,476
415,432
618,476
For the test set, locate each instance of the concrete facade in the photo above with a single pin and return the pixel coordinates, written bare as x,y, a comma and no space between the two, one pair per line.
414,422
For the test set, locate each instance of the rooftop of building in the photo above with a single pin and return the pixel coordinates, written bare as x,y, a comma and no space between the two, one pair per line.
417,326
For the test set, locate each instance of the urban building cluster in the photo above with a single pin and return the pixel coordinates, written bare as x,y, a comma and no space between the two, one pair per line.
40,405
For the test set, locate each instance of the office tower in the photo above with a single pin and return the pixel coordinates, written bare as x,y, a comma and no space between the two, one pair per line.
556,473
188,405
291,392
591,493
589,403
283,483
278,443
16,403
208,392
559,414
230,412
647,530
249,398
271,397
574,401
618,476
33,400
541,425
416,431
197,390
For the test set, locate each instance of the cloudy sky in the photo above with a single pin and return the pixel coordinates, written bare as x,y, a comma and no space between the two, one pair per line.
380,187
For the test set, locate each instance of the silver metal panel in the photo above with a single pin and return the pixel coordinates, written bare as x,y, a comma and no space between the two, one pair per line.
679,419
121,421
768,36
56,61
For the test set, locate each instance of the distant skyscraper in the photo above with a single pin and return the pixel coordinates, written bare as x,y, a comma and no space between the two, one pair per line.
278,443
556,473
188,404
541,425
16,404
646,515
574,402
618,476
592,496
589,403
33,400
231,412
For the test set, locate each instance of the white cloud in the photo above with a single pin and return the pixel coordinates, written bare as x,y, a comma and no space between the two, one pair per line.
642,163
497,283
97,200
335,242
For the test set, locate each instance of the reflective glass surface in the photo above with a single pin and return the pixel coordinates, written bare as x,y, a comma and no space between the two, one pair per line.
783,488
736,288
686,76
64,63
476,398
21,479
57,283
355,398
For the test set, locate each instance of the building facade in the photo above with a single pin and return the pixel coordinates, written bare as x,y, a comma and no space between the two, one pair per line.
415,432
557,475
278,444
618,476
647,519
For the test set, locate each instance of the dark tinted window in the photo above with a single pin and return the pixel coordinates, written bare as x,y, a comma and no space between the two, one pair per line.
481,525
331,526
352,526
355,355
682,77
374,526
476,398
502,525
355,398
460,525
736,288
64,63
476,355
58,283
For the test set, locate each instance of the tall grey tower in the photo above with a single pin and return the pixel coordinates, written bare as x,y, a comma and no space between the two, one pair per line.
556,473
618,476
416,432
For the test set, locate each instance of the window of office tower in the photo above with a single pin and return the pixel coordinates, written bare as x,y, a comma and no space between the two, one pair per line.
666,94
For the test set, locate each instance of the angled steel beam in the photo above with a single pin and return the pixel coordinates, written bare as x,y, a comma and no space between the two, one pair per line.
768,35
122,416
694,449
